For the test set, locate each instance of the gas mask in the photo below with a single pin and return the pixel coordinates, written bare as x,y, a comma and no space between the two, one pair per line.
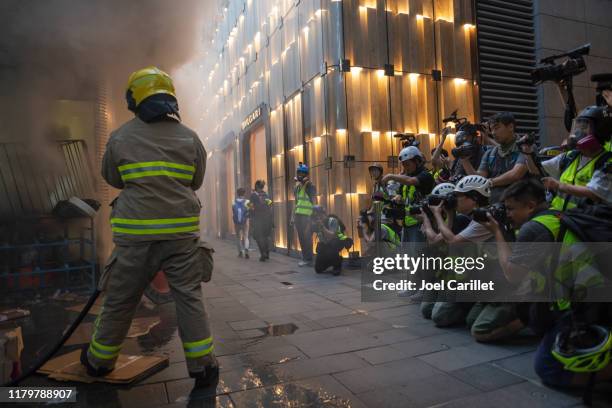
582,135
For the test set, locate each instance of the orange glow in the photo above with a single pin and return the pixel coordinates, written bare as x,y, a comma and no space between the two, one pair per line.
468,26
356,70
460,81
380,73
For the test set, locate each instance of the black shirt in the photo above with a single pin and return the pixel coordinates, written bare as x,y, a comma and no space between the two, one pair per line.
528,255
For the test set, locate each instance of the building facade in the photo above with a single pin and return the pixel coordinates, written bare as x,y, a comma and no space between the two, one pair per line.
329,83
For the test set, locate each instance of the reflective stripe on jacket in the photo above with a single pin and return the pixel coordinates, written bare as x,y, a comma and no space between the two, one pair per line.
575,265
158,166
577,177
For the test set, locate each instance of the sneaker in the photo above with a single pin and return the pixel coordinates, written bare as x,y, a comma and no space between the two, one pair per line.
262,259
207,377
91,370
305,263
240,254
336,271
246,255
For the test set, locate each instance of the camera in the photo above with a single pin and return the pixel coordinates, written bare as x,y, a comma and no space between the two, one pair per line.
528,140
395,211
449,200
464,151
497,211
572,66
407,139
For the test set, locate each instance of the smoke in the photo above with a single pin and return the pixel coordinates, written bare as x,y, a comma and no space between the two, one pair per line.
62,49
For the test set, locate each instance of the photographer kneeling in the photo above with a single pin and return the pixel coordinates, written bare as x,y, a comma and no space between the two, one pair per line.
332,240
487,321
562,358
442,313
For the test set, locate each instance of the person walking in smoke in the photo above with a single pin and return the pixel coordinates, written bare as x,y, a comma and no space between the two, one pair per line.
157,163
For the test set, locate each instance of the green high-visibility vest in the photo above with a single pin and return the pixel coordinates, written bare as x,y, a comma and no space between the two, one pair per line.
408,193
574,268
393,240
303,205
608,146
577,177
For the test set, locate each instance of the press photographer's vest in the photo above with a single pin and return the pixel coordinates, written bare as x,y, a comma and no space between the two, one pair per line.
303,205
575,262
393,240
408,195
577,177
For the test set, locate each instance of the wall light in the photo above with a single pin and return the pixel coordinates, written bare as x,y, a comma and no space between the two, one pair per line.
380,73
356,70
419,17
468,26
460,81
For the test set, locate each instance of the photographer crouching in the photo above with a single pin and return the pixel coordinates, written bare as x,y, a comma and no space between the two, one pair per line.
332,240
573,351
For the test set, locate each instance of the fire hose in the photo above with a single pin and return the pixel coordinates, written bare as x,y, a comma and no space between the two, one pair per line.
59,344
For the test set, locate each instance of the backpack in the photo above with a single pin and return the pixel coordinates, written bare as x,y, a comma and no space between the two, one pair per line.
239,212
591,223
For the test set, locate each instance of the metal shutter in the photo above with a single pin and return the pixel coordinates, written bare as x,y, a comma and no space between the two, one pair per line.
506,51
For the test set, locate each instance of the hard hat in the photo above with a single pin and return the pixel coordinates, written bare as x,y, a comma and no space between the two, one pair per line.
585,351
146,82
409,153
474,183
443,189
302,168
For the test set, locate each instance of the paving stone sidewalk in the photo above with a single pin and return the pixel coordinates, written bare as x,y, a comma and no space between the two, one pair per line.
336,350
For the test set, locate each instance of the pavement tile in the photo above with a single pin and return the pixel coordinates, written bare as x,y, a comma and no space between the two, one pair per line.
421,392
337,321
149,394
379,355
322,391
332,341
465,356
299,369
400,372
521,365
247,324
525,394
486,377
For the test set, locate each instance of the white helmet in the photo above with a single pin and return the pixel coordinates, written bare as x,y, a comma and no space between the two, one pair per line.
410,152
474,183
443,189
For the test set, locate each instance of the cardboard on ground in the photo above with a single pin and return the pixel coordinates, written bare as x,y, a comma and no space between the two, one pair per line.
127,370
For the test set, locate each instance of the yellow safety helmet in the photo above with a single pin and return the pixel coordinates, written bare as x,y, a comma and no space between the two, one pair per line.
146,82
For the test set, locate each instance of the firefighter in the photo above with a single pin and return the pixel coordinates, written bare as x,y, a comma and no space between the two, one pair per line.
158,163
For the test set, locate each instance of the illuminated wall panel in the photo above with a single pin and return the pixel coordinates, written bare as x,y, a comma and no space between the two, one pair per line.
285,58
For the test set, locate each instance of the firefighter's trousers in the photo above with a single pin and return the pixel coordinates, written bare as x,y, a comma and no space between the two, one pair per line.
126,275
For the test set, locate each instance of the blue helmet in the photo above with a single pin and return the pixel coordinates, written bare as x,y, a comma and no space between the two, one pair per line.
302,168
